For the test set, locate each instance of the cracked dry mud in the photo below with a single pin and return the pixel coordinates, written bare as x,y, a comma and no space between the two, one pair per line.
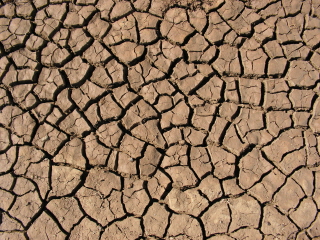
148,120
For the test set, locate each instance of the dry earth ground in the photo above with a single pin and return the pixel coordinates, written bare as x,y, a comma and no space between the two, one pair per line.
148,119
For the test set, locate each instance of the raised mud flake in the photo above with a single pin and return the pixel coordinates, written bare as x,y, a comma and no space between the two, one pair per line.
109,109
147,25
126,229
305,213
296,51
45,227
243,24
22,128
217,28
253,61
124,96
78,41
12,235
217,130
187,202
175,155
110,134
188,84
277,101
200,161
249,120
137,113
28,204
277,225
301,99
98,27
314,122
170,51
96,153
250,91
103,181
277,121
61,38
314,229
197,19
211,91
122,30
302,74
96,54
23,58
211,188
4,139
183,70
223,162
86,93
132,146
22,95
135,197
287,142
52,55
182,176
203,116
9,224
149,162
143,73
173,136
233,142
252,167
120,10
124,52
273,49
310,37
276,66
64,180
228,61
7,200
49,82
177,116
86,229
39,173
289,29
304,177
66,210
265,189
8,159
288,196
155,220
195,47
176,26
150,132
217,218
245,212
158,184
231,187
78,15
315,60
112,73
193,136
183,226
247,233
75,124
103,209
71,153
126,164
76,70
13,32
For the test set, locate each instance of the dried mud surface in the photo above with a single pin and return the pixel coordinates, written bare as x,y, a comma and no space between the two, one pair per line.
147,120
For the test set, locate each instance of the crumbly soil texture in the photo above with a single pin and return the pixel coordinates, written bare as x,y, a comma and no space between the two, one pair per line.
152,119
